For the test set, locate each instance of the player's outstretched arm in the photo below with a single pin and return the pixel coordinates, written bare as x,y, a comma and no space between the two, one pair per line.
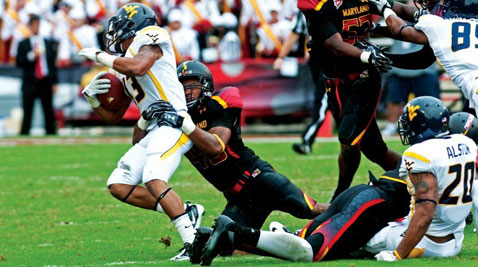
139,65
426,197
406,12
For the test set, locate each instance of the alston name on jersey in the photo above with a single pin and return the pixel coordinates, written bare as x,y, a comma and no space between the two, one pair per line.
458,151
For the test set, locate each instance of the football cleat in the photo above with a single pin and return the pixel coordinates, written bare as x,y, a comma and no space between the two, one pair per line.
195,213
213,245
469,218
200,239
278,227
183,253
303,149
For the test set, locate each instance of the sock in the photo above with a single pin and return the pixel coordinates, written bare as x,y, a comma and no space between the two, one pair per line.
285,246
185,228
160,209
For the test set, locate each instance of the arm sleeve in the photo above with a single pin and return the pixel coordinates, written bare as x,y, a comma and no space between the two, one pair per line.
228,118
421,59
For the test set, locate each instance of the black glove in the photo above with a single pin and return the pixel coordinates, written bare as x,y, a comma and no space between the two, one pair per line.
171,119
156,109
378,59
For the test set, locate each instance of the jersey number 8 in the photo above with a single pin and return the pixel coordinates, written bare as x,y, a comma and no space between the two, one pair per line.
460,35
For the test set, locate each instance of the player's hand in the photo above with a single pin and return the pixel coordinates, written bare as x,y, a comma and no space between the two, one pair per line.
374,56
386,255
171,119
96,86
420,13
380,4
89,53
403,173
278,63
156,109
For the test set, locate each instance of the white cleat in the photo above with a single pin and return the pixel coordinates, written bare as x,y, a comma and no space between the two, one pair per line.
195,213
278,227
183,254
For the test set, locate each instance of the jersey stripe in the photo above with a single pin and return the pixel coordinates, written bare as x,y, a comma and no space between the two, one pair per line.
416,156
393,179
220,101
152,27
319,6
182,140
155,81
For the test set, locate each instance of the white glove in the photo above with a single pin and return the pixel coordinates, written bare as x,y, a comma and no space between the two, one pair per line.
89,52
381,4
96,86
386,255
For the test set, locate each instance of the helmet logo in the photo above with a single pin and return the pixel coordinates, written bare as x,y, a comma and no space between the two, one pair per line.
131,10
412,111
185,67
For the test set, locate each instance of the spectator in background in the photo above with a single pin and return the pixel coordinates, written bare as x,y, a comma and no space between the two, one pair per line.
36,56
79,36
280,29
184,39
229,44
297,37
61,20
404,85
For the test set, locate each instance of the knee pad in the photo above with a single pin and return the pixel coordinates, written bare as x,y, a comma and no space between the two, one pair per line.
121,175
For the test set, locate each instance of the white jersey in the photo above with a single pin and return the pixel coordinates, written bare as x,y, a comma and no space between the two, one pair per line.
161,81
455,44
452,161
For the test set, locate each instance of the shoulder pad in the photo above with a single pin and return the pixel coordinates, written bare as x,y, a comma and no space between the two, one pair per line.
416,160
228,97
428,21
151,35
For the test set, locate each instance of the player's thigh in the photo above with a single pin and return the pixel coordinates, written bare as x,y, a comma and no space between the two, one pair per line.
387,238
246,213
447,249
129,168
163,153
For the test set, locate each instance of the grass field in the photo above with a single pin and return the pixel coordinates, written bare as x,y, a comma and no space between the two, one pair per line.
55,209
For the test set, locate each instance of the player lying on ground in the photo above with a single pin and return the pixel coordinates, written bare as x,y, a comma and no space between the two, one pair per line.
350,221
252,187
147,67
441,167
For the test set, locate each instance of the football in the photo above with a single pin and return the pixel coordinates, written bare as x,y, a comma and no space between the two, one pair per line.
114,98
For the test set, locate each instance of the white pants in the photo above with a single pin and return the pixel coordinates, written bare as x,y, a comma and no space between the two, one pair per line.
390,236
156,156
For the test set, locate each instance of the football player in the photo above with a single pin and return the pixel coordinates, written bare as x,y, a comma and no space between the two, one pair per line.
147,67
252,187
350,221
351,66
449,30
441,168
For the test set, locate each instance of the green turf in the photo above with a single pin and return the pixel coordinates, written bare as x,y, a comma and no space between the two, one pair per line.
55,208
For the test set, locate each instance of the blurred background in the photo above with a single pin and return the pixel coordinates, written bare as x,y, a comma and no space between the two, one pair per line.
239,40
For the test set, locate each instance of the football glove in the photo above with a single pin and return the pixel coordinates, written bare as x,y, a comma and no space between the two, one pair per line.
374,56
386,255
171,119
381,5
155,110
94,54
89,53
96,86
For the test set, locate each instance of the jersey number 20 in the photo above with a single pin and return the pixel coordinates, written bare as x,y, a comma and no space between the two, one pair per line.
460,35
468,174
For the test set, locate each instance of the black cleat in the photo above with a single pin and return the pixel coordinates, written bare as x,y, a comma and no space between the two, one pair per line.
303,149
200,239
213,245
469,218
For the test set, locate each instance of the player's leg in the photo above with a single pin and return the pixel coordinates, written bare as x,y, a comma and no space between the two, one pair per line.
277,192
375,149
163,155
28,101
277,244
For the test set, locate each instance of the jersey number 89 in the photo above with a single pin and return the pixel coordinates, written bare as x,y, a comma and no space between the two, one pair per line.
460,35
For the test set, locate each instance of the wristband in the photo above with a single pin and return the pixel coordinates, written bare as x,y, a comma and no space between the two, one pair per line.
94,102
387,12
142,123
365,56
188,126
396,255
105,59
220,141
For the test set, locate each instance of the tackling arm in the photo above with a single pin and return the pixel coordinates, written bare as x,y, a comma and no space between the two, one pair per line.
426,197
406,12
211,142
